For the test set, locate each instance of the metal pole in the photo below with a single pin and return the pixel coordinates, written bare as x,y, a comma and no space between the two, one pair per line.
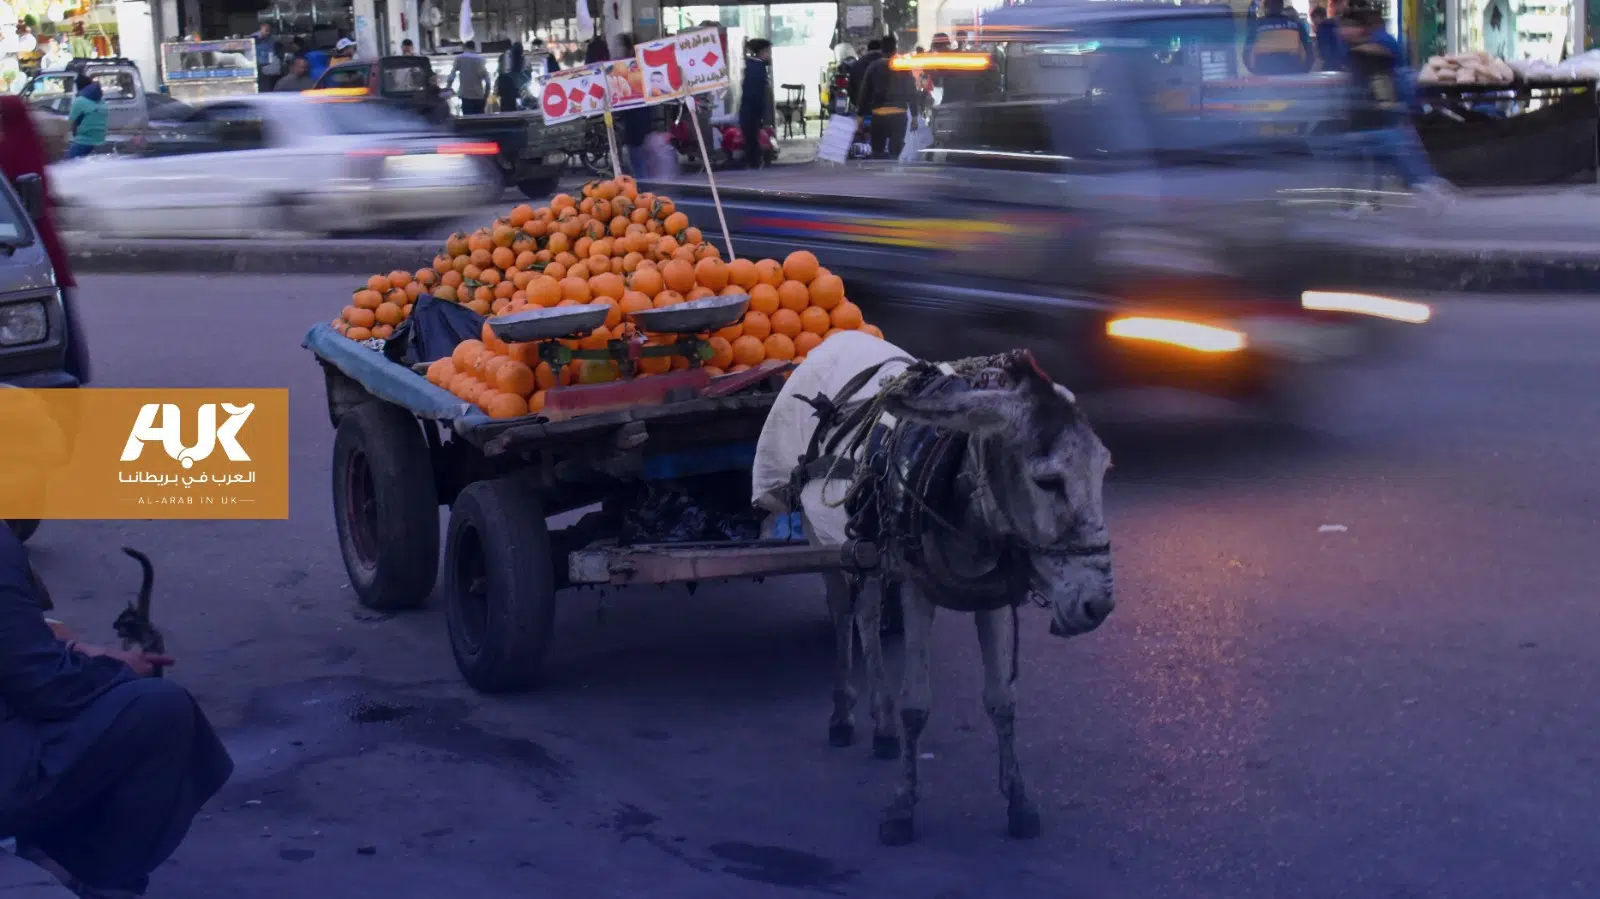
611,127
711,178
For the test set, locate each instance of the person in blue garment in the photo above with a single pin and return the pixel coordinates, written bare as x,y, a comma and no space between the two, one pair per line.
753,95
1277,42
102,767
1330,46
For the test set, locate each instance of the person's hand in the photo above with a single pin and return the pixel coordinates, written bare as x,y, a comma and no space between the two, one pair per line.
143,663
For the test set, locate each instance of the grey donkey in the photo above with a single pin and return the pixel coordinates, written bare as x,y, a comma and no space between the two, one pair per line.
1015,513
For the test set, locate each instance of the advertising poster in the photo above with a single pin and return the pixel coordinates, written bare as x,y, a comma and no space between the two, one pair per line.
689,63
625,79
571,95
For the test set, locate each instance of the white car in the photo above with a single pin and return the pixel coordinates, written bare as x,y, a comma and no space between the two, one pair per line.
274,163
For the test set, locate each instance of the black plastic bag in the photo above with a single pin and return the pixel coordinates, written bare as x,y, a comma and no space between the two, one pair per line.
432,331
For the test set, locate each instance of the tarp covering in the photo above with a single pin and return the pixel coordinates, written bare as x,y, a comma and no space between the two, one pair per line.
390,381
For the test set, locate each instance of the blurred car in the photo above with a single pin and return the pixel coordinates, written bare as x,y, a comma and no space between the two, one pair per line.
278,163
405,80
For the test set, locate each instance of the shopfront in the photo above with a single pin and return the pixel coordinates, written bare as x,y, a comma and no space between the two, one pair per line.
802,36
37,34
1544,30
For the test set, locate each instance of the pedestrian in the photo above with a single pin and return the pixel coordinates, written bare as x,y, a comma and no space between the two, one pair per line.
87,118
299,77
22,153
508,85
551,66
1330,47
102,767
407,48
858,69
470,68
1277,43
1381,119
637,123
269,61
344,50
892,99
753,99
596,51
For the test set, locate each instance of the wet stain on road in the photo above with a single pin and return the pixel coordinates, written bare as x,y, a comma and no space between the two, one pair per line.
295,855
782,867
367,711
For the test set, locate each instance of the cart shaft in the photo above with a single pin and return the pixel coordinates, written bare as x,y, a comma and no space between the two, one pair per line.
674,563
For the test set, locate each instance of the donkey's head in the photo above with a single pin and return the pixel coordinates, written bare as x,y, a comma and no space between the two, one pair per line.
1039,472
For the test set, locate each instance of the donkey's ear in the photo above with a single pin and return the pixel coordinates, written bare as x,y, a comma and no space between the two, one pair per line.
954,406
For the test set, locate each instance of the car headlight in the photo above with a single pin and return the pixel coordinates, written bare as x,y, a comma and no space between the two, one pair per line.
23,323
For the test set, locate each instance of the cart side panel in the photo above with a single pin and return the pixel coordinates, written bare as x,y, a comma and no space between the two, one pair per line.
388,381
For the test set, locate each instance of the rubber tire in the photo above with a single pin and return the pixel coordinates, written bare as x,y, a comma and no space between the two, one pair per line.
23,527
406,563
506,522
539,188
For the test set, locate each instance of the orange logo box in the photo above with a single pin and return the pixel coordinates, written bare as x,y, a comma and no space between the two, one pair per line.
142,453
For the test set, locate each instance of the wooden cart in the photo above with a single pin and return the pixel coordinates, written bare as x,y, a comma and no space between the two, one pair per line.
405,447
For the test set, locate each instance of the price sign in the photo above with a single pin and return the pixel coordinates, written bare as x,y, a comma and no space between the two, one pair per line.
572,95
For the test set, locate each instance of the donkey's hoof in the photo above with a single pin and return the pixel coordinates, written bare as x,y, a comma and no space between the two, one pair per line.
897,831
841,733
1023,823
885,748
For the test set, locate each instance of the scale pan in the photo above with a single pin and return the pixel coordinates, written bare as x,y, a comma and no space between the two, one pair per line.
693,317
548,324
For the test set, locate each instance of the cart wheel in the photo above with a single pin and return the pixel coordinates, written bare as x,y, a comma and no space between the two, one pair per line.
385,506
499,585
23,527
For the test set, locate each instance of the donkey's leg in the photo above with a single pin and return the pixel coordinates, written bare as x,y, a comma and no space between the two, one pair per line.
897,827
842,601
885,732
996,641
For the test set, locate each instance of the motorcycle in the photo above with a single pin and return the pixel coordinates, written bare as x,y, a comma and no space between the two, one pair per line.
730,139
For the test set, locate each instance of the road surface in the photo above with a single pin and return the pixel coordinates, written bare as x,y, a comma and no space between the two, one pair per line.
1357,661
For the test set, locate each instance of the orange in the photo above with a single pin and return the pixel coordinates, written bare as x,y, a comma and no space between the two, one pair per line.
443,263
556,270
786,322
738,368
506,405
714,371
666,246
471,272
543,377
743,273
491,343
675,223
490,276
769,271
466,354
482,258
597,339
503,257
399,278
602,247
699,293
427,277
764,298
779,346
380,283
460,263
367,299
441,371
451,278
634,301
544,290
446,292
613,312
693,235
504,290
414,290
731,332
361,318
383,332
526,259
721,353
583,249
667,298
520,215
757,325
489,366
479,306
504,235
679,275
480,240
575,289
455,244
483,293
806,342
815,320
559,243
748,351
793,295
846,316
536,403
827,291
662,208
355,333
388,314
871,329
711,273
801,265
562,201
732,290
647,281
608,285
580,270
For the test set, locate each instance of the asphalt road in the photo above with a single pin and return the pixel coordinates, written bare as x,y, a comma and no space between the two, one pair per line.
1402,707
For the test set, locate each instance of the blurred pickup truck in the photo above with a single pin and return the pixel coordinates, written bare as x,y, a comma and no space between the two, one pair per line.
532,155
1105,189
130,110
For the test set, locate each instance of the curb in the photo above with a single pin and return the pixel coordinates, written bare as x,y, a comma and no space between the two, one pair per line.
256,257
1433,266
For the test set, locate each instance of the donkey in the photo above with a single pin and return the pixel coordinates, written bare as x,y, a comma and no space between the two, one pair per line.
981,483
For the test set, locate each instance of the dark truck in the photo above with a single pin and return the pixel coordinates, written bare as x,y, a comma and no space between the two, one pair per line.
1108,191
532,155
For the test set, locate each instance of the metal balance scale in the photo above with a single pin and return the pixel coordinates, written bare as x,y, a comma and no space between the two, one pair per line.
691,322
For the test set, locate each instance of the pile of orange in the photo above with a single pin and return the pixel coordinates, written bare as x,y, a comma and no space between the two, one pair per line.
613,246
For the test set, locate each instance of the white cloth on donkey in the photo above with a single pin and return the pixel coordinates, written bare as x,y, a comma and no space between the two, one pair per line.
787,431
